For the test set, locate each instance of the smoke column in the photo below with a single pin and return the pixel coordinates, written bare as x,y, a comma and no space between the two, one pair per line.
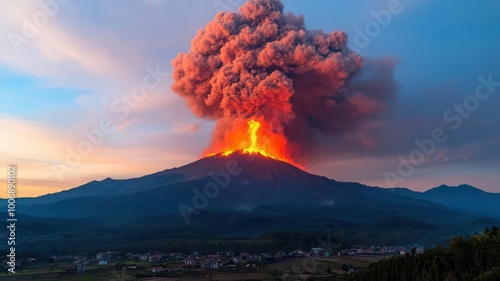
260,63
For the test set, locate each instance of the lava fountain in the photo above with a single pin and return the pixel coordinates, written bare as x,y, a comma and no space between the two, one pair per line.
256,138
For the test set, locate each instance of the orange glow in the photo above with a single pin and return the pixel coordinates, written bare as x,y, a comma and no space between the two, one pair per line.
253,128
255,137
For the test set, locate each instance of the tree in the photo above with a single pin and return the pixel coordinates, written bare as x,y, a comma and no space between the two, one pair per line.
486,231
473,258
345,267
494,230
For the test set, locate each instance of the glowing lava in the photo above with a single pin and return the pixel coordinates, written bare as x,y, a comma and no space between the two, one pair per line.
253,147
255,137
253,127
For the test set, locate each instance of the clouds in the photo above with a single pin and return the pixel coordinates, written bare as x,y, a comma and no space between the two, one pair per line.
64,79
469,149
39,44
30,146
51,159
74,67
184,128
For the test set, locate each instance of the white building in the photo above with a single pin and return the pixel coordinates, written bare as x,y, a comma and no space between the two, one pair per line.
101,255
209,263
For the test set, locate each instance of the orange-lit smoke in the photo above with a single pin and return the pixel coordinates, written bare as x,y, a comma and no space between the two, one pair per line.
263,64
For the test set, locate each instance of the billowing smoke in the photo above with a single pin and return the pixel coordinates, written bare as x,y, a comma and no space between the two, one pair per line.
262,63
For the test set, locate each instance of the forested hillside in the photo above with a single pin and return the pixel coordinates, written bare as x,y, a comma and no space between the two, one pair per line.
476,258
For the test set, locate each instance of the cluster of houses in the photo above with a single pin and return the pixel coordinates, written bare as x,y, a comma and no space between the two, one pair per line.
195,261
104,257
381,250
230,260
81,262
224,260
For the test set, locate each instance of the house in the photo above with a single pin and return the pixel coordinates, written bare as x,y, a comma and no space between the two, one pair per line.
82,260
296,253
191,260
177,256
352,252
156,258
280,255
80,268
255,258
244,256
103,262
110,255
229,254
156,269
320,252
266,256
209,263
101,256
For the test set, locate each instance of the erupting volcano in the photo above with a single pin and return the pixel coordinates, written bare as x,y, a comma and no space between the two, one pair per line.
254,140
271,84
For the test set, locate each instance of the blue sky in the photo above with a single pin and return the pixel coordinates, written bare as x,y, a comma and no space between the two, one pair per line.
64,80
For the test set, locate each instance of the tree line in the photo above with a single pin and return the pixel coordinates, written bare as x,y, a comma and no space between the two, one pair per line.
475,258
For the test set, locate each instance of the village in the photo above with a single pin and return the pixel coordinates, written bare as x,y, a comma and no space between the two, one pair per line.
158,263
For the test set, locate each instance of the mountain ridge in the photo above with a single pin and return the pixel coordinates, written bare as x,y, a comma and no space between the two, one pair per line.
283,184
236,196
464,197
256,182
174,175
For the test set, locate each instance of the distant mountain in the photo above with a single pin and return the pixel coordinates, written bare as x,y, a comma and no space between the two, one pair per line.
463,197
108,188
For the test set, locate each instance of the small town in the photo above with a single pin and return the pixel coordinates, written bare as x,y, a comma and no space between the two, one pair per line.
159,264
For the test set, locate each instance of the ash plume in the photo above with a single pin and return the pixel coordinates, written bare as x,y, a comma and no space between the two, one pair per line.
263,63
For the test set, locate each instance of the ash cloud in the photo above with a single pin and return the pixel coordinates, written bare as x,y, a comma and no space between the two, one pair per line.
263,63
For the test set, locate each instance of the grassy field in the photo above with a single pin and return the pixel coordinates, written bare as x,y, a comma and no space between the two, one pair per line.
321,265
289,269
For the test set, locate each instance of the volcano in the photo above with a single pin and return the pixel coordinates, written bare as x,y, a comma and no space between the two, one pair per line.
239,196
246,193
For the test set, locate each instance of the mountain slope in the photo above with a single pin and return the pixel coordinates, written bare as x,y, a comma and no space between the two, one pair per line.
236,196
239,183
108,188
463,197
